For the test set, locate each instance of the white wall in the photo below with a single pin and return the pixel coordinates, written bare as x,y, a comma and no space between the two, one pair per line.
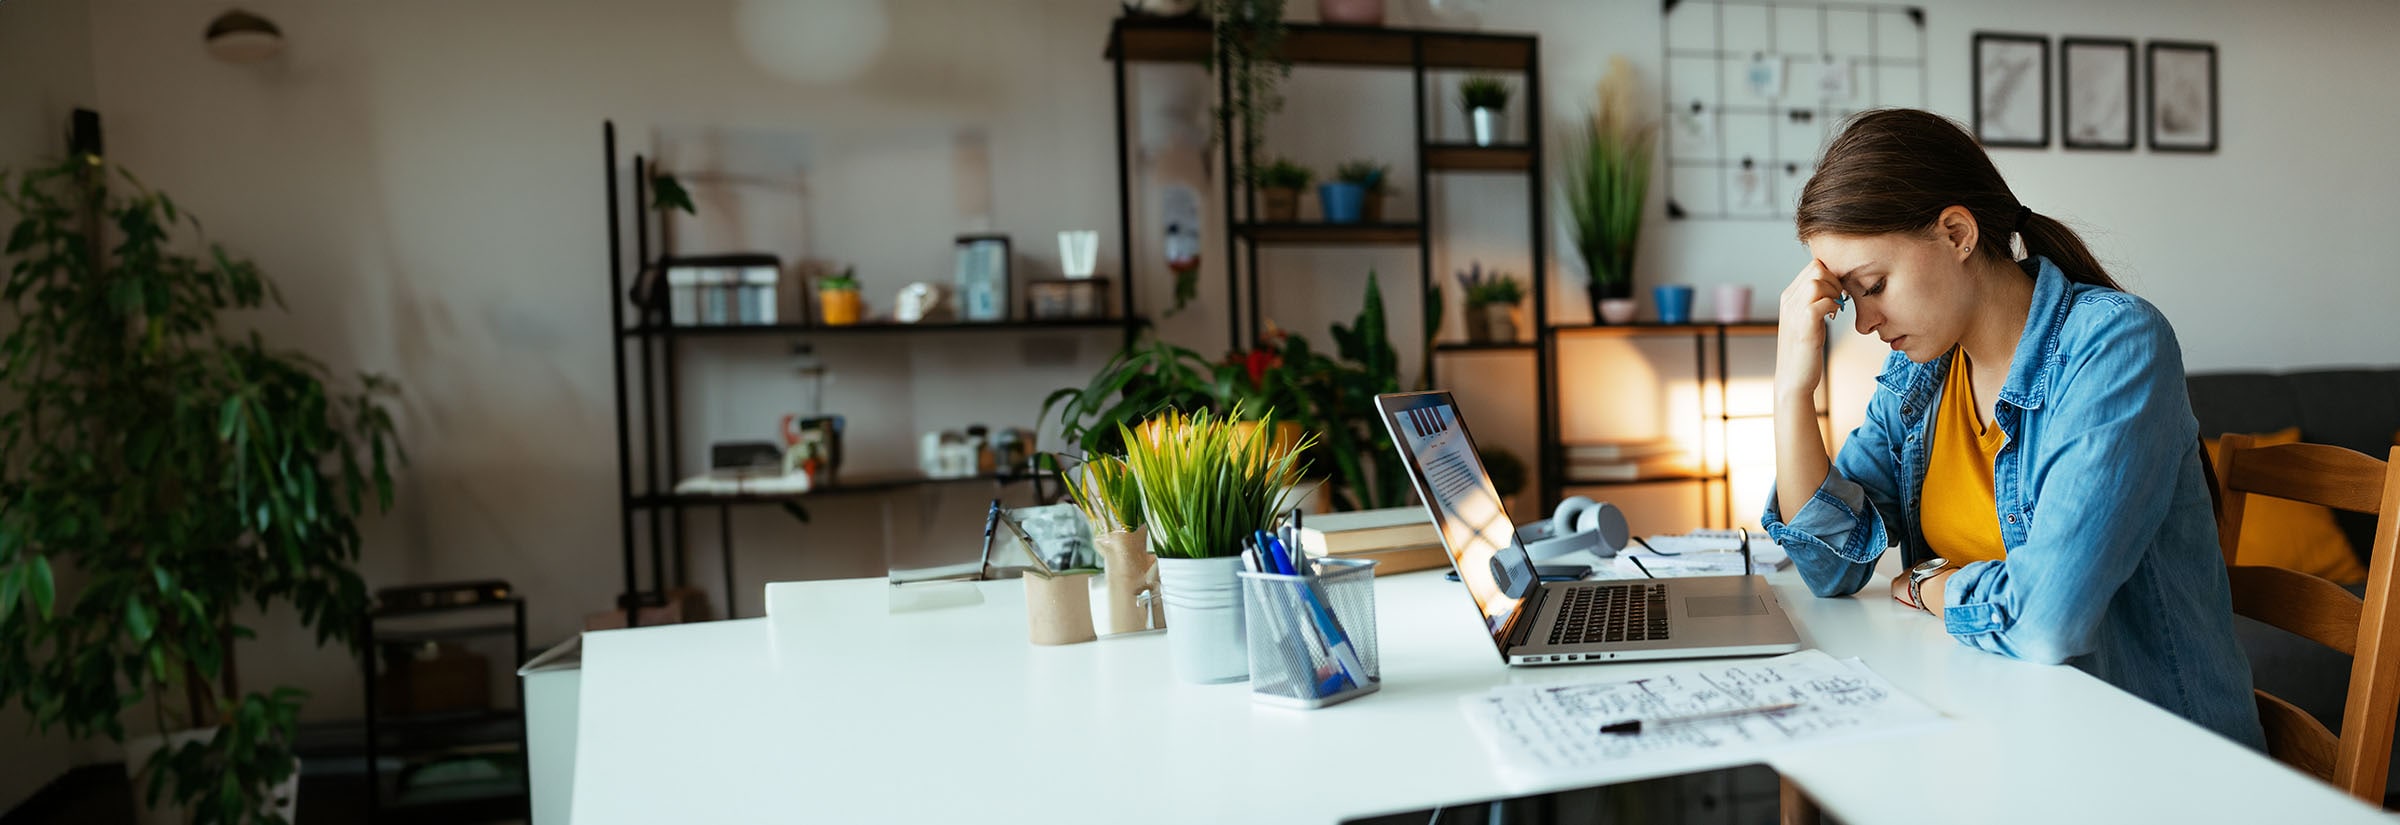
45,54
423,178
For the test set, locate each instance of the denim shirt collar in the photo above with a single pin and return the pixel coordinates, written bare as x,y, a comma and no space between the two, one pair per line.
2028,373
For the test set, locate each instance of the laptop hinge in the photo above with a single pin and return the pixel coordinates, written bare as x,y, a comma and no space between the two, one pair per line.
1520,625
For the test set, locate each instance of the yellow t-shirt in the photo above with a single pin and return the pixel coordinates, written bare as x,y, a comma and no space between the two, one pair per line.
1962,517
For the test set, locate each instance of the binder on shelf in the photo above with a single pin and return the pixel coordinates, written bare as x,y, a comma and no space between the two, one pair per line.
1673,465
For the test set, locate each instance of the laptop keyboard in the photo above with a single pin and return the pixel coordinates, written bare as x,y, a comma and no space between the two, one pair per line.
1612,613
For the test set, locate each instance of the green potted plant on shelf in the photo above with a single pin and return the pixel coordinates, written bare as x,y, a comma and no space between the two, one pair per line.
838,303
1205,486
1491,304
1484,98
157,474
1368,178
1279,186
1608,182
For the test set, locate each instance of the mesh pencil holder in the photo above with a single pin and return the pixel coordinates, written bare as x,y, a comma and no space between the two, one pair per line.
1292,660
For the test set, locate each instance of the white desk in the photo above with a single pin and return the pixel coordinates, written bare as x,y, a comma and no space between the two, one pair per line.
833,710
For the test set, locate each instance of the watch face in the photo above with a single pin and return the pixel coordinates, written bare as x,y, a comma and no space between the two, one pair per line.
1928,566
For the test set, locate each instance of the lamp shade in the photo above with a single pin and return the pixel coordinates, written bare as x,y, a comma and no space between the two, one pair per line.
241,37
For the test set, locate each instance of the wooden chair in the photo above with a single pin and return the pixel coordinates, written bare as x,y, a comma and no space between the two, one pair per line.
2368,629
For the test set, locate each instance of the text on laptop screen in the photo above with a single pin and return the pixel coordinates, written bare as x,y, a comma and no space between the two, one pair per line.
1465,505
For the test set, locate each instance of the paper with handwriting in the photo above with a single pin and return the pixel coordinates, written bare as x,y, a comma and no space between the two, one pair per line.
1552,730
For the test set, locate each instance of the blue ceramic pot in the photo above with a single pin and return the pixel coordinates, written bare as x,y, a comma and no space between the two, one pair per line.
1343,202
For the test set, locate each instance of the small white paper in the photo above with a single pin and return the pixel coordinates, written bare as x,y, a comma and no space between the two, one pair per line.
1553,731
1765,75
1836,78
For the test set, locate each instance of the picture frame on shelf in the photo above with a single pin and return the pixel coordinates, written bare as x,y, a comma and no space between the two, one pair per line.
982,278
2182,110
2012,90
2096,93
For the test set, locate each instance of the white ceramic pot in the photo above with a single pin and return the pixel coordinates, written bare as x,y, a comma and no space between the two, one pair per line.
1486,125
1619,310
283,799
1205,636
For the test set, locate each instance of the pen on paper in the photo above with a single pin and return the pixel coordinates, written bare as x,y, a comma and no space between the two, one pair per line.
1632,726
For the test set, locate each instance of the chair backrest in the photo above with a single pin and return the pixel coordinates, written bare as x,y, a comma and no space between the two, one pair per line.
2367,629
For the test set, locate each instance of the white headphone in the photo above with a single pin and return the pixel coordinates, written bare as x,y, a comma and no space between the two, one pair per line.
1600,521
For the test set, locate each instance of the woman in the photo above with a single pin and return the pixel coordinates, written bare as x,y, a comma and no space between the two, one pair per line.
2030,447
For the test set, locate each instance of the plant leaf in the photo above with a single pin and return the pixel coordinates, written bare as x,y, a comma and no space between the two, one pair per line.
138,619
41,586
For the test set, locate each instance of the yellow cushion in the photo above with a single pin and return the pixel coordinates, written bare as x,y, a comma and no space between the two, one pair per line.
2290,534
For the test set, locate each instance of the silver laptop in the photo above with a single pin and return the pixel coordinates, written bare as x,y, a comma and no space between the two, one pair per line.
1548,623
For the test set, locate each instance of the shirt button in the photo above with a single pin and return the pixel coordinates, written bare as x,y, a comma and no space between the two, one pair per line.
2012,518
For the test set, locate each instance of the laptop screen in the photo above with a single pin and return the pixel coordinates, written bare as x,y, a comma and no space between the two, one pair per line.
1441,459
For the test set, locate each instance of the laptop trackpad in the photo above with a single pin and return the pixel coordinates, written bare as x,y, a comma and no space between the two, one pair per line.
1713,607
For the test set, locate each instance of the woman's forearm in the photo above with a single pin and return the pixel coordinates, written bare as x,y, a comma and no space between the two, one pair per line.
1800,459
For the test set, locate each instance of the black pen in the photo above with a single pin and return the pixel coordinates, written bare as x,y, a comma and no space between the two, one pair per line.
1632,726
991,521
1637,562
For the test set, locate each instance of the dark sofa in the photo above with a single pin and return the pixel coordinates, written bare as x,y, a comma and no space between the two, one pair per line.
2354,408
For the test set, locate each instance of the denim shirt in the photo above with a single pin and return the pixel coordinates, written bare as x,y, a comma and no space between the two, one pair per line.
2113,565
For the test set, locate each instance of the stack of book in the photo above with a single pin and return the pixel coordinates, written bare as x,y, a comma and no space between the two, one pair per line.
1634,460
1397,539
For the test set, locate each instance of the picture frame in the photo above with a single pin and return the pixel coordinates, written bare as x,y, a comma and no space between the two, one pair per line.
2182,109
2096,93
982,277
2012,89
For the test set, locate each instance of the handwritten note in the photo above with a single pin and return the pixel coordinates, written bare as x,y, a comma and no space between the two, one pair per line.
1548,730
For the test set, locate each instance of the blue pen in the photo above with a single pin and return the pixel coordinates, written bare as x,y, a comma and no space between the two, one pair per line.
1330,628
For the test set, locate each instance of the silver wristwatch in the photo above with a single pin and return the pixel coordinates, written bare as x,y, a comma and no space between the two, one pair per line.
1917,576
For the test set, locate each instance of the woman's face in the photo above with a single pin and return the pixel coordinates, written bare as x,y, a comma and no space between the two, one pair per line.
1912,290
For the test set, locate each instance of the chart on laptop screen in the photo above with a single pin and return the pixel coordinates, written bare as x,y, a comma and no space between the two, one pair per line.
1474,527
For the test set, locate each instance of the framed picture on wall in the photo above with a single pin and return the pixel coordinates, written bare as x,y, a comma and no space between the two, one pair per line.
2012,89
2095,79
2183,96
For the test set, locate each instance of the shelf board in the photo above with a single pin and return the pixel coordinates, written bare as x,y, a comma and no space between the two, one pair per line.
861,484
1639,328
1466,157
1525,346
1333,234
736,330
1188,40
423,732
1662,478
436,634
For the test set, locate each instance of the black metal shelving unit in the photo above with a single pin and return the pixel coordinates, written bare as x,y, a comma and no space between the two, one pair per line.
650,514
447,732
1135,39
1713,473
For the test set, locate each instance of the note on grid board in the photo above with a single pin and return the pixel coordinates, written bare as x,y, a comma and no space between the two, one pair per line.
1547,731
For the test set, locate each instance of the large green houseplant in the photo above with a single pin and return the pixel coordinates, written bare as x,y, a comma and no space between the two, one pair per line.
1608,182
157,474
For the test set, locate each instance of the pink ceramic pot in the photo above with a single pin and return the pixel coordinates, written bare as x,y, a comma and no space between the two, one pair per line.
1351,12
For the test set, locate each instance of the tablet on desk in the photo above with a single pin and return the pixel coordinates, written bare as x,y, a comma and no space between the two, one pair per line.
1739,795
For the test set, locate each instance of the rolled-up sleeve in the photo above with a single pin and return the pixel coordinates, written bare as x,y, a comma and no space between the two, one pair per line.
1836,538
2104,478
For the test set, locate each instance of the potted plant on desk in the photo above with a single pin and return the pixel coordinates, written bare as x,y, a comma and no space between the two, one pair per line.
169,474
1204,488
1491,304
1105,490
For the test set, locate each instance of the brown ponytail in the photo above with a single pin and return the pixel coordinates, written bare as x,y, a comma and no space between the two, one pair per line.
1895,170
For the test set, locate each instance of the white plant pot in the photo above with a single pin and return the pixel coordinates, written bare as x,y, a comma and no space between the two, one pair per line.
1487,125
1205,636
283,799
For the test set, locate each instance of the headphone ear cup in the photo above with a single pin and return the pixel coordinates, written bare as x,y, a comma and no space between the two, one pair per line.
1609,523
1564,520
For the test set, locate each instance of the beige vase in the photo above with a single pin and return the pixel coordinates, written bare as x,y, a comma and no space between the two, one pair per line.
1058,609
1133,603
